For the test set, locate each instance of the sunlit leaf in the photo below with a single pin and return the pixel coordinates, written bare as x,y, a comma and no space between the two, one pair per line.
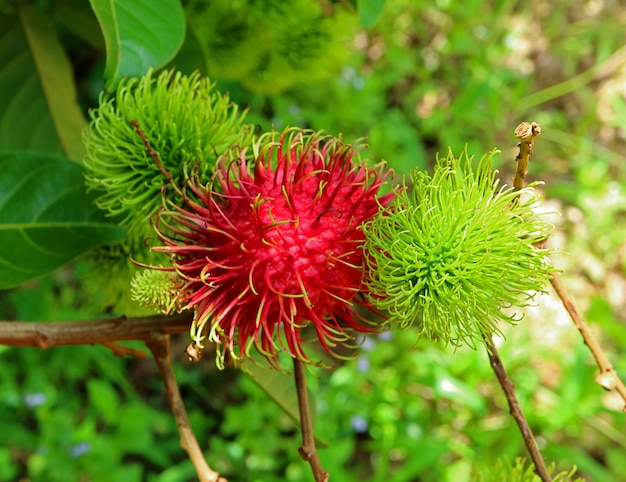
56,78
138,34
453,389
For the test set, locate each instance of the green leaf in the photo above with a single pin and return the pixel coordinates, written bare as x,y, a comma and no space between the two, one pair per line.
25,120
279,388
104,399
138,34
46,217
56,78
369,11
8,470
453,389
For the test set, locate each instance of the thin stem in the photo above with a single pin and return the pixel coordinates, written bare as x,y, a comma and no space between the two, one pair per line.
576,82
526,133
48,334
155,156
608,377
516,411
307,450
122,351
159,345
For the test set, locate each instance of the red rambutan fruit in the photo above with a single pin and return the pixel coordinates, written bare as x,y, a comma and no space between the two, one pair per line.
266,253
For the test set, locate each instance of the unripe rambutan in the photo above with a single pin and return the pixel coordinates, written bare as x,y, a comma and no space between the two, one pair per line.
185,121
449,256
157,289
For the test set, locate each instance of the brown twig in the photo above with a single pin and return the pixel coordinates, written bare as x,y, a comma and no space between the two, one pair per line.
159,345
154,330
608,377
48,334
122,351
526,133
516,411
307,450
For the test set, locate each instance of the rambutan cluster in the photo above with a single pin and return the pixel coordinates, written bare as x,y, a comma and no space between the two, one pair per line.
276,237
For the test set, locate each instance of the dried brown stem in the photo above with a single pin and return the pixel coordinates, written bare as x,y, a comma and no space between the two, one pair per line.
307,450
516,411
608,377
48,334
526,133
159,345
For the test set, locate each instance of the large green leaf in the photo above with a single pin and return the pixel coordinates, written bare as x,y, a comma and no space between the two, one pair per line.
46,217
57,80
138,34
25,120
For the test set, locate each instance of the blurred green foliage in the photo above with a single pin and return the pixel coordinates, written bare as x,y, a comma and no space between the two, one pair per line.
425,76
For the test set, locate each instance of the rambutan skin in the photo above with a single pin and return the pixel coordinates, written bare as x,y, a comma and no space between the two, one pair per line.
268,252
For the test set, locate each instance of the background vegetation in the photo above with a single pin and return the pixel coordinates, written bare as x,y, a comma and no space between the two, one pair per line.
424,76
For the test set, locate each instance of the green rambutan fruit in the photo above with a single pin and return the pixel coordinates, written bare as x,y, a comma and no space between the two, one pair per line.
180,122
158,289
521,471
449,256
269,46
307,46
